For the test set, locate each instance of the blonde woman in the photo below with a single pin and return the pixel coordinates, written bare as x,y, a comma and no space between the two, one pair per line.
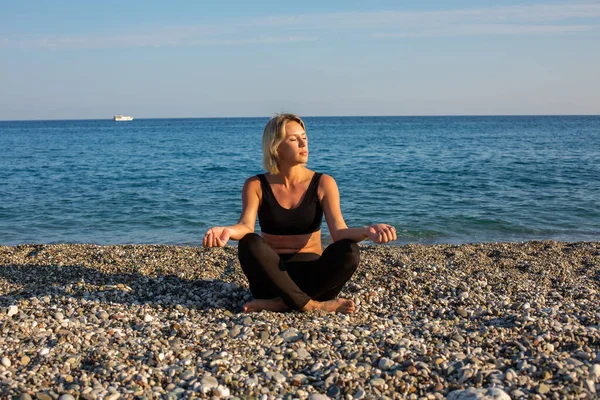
286,266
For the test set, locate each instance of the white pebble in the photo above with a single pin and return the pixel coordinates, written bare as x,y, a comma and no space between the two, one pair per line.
44,351
595,372
12,310
148,318
385,364
222,391
318,396
6,362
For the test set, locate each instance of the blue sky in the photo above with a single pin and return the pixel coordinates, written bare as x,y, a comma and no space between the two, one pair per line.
150,59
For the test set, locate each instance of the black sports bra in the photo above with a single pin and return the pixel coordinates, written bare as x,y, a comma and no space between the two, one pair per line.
276,220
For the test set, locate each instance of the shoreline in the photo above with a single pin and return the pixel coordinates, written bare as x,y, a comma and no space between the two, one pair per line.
518,319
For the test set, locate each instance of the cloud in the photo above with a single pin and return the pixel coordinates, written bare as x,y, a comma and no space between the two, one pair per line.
134,41
488,30
536,19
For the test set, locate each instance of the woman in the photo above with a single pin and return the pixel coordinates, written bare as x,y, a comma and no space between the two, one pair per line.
285,266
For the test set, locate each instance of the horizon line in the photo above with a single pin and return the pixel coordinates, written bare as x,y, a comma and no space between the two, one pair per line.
312,116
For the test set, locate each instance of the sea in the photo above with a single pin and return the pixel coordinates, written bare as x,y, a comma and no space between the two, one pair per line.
436,179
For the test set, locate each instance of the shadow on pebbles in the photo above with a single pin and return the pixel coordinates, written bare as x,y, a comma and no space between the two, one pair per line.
475,321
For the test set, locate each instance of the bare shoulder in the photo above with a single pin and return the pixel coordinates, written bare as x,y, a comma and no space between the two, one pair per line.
326,180
326,185
252,181
252,185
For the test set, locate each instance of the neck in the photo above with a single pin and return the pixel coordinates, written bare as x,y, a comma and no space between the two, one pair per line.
289,175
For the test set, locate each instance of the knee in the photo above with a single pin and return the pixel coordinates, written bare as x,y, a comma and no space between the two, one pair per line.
350,252
248,242
354,254
249,239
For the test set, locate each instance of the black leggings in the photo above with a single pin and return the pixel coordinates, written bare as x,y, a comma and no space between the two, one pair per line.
296,278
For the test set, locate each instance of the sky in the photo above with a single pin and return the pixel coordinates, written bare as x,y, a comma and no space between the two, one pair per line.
156,59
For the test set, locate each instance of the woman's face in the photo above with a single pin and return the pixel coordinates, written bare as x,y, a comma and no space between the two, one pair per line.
294,148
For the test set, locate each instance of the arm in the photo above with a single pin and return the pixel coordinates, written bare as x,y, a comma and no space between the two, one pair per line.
219,235
378,233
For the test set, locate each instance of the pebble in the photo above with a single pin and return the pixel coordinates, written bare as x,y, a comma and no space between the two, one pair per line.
12,310
318,396
333,391
235,331
478,394
165,322
595,373
222,391
377,382
208,383
303,354
543,388
291,335
385,364
462,312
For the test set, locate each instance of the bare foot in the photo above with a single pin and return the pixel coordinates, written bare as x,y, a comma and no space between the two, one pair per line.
345,306
275,304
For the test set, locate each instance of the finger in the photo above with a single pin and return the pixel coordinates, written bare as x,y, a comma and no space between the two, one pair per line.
386,236
390,233
380,237
220,242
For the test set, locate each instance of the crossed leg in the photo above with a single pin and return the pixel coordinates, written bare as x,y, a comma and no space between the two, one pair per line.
305,286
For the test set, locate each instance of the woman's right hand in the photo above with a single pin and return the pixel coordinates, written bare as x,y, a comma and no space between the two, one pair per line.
217,236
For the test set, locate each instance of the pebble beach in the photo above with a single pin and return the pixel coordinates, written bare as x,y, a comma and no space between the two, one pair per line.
471,321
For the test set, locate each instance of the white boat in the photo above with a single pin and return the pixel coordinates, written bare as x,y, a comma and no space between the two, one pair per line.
121,117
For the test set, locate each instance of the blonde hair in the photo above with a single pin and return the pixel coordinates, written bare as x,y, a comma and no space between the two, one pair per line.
273,135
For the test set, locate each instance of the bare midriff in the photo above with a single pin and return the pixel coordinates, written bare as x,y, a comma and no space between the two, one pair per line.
289,244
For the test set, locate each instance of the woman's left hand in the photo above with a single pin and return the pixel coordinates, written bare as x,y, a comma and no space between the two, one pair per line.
381,233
